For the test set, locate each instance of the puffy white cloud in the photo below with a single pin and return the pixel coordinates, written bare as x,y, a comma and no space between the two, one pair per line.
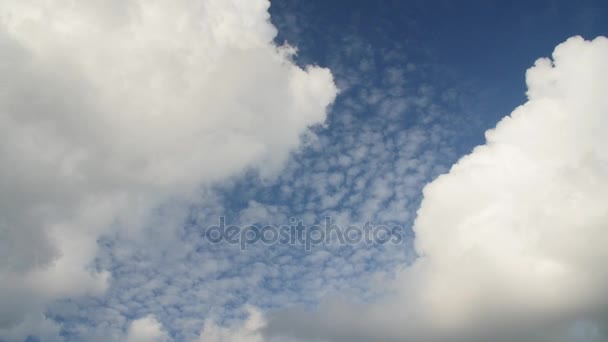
146,329
512,241
107,108
247,331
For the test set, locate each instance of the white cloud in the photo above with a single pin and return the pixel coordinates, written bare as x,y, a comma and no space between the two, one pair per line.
107,108
247,331
512,240
146,329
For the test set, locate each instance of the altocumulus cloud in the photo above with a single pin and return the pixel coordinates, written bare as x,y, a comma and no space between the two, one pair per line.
513,240
108,108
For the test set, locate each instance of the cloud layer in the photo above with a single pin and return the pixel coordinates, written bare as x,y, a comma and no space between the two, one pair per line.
117,115
107,109
512,240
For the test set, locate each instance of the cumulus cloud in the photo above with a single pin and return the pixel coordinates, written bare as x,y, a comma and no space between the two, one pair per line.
512,241
108,108
146,329
247,331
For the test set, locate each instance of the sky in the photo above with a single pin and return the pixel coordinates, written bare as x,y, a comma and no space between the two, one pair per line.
446,164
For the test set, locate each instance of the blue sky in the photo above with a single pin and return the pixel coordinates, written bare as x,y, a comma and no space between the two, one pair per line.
479,46
266,139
